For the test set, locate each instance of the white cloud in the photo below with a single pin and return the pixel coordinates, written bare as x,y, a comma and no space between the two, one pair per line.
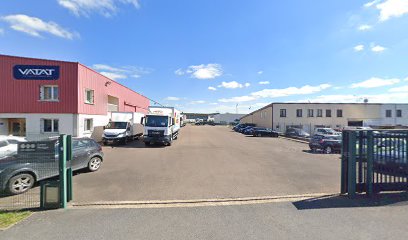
365,27
392,8
260,72
116,73
36,27
179,72
377,98
378,48
233,84
172,99
105,7
399,89
264,82
372,3
359,48
237,99
212,88
275,93
114,76
198,102
203,71
375,82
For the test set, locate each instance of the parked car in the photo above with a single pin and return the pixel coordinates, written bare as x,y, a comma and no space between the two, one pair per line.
18,173
248,130
8,145
243,125
264,132
242,130
326,143
326,131
296,132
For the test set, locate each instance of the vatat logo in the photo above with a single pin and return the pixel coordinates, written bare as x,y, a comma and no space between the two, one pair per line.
35,72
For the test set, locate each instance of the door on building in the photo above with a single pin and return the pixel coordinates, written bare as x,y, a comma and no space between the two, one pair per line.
17,126
355,123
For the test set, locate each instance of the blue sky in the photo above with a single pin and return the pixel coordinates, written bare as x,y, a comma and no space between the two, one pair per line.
208,56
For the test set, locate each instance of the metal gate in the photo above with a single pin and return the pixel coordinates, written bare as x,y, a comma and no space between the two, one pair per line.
374,161
26,176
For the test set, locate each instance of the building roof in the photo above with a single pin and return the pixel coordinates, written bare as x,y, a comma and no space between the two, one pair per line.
307,103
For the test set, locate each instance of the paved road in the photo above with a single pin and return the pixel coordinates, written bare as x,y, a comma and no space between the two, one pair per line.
261,221
208,162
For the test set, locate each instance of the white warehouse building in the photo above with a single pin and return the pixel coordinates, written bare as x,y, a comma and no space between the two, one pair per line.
308,116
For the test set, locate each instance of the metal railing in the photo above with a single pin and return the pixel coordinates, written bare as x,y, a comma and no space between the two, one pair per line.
374,161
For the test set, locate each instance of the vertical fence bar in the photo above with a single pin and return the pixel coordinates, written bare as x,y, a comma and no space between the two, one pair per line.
370,160
69,170
344,161
63,170
351,164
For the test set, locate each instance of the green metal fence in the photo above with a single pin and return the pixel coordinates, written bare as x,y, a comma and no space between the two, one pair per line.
25,175
374,161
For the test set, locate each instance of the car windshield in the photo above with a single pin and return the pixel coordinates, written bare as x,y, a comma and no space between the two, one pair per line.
116,125
157,121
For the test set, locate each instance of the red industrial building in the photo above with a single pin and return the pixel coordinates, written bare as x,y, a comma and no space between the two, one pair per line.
42,98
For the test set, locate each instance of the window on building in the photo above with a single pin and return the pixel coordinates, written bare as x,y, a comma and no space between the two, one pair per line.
319,113
89,96
283,113
49,93
339,113
88,124
310,112
328,113
388,113
299,113
50,125
399,113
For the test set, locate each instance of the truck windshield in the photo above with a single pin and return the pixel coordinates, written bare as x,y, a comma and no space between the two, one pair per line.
116,125
157,121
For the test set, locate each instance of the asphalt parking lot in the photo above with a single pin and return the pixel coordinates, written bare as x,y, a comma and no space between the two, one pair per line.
208,162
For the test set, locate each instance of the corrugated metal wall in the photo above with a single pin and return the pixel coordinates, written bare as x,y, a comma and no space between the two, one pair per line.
103,86
22,96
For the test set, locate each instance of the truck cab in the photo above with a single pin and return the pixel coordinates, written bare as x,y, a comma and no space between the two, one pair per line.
161,126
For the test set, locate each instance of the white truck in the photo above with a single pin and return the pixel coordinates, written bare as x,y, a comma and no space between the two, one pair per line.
161,125
123,127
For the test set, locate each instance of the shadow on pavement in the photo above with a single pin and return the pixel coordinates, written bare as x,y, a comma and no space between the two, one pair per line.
339,201
134,144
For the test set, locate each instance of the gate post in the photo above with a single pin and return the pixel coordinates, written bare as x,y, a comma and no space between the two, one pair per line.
62,157
344,161
351,165
370,159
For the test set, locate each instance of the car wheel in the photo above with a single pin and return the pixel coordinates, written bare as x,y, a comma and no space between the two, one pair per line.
20,183
328,150
94,164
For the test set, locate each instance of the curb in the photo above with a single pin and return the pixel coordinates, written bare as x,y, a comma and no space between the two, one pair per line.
197,202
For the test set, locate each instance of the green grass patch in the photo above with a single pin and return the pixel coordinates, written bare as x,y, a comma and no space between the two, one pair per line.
10,218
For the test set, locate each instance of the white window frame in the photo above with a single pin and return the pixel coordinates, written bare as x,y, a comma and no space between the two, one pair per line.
54,97
86,96
52,125
319,113
86,125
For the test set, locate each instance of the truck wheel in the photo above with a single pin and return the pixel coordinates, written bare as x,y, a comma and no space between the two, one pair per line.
20,183
105,143
124,140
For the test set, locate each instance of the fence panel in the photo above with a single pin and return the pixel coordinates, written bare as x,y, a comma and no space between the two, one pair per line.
374,161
